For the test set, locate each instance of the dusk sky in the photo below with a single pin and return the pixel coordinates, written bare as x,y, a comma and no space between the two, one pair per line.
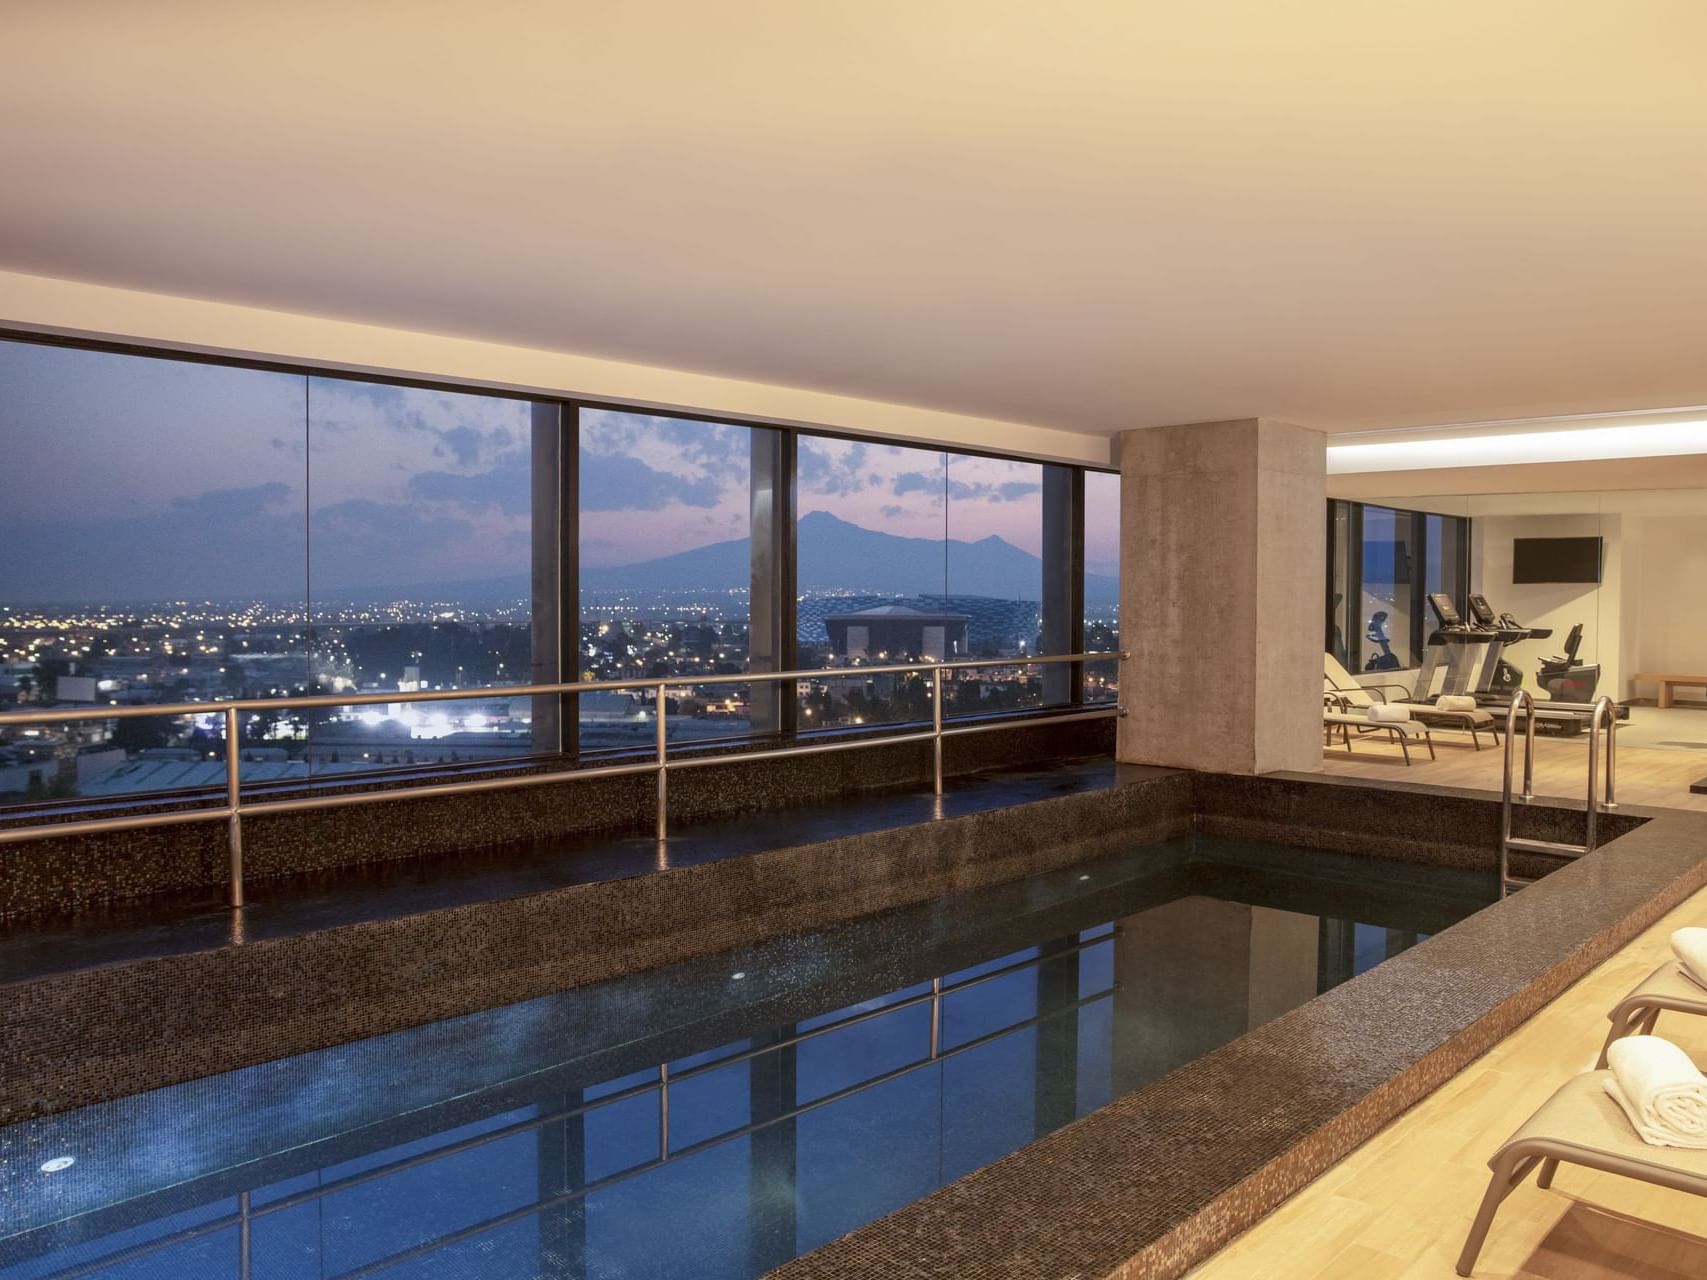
126,478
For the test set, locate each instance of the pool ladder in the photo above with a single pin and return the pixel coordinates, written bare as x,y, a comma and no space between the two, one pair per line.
1603,709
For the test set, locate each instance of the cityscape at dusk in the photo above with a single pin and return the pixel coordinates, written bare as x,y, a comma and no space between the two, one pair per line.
388,530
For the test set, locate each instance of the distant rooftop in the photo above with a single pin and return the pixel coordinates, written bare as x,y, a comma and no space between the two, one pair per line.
898,611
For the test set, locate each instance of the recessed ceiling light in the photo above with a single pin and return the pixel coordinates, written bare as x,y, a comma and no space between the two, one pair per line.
57,1163
1580,444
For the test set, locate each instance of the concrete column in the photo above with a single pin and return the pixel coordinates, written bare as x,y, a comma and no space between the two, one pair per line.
1222,555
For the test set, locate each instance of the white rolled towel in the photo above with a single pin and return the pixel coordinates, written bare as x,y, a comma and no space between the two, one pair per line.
1455,702
1690,948
1660,1091
1389,713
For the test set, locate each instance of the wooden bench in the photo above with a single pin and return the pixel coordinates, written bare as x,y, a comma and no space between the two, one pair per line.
1666,682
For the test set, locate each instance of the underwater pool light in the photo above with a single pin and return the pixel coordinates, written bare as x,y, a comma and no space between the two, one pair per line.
739,975
57,1163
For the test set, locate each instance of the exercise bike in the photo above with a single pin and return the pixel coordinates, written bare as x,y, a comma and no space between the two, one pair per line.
1564,678
1386,660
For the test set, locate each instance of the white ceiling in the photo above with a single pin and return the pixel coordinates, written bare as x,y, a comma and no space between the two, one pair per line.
1093,216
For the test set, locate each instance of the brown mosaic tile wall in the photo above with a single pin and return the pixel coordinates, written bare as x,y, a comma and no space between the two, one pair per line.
75,872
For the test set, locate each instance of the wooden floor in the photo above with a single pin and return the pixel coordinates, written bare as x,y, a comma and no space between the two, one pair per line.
1646,775
1400,1205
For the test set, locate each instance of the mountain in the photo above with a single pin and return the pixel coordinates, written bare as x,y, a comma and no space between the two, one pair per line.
834,555
837,555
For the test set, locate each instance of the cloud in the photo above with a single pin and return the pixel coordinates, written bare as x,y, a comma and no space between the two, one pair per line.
507,487
222,543
464,444
681,447
1007,491
248,543
362,532
220,506
916,482
468,428
617,483
834,474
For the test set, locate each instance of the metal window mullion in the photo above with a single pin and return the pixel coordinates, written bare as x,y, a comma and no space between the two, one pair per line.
1063,587
1419,586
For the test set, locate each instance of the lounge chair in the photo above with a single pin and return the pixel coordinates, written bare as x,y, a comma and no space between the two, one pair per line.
1403,732
1353,696
1663,990
1580,1124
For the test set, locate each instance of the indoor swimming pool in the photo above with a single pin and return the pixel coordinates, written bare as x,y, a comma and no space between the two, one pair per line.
715,1118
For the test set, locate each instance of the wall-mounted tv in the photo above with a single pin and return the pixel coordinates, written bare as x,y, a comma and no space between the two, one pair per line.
1555,560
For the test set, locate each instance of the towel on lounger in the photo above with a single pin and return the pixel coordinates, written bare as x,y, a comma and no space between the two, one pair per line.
1660,1091
1389,713
1455,702
1690,948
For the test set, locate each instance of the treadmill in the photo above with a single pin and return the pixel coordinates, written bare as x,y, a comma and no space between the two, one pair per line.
1458,649
1497,680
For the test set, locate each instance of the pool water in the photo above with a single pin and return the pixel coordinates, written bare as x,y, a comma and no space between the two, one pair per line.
713,1119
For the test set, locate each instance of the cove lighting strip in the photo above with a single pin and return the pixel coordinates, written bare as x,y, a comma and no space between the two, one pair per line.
1583,444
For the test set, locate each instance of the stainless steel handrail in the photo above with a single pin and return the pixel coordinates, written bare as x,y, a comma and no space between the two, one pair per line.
1602,709
235,807
1519,699
1605,705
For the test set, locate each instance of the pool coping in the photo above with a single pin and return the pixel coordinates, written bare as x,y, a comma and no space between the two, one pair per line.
1152,1184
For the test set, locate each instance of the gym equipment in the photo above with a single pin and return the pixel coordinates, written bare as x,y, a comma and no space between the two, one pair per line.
1564,678
1386,660
1461,648
1504,678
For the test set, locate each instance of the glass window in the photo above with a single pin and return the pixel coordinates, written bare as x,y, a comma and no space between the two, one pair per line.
995,579
1387,580
1340,573
187,532
420,552
666,570
908,555
152,519
1102,583
871,546
1383,564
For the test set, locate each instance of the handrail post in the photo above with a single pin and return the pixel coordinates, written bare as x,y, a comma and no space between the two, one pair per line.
1611,751
233,802
663,1110
663,763
1528,745
936,728
1520,700
1593,812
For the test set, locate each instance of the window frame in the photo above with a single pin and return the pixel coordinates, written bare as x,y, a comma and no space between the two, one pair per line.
1454,567
555,625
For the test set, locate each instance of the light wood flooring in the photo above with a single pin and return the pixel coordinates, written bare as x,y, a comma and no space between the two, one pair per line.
1646,775
1399,1206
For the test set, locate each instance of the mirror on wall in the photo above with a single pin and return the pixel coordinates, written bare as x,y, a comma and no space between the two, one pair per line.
1607,584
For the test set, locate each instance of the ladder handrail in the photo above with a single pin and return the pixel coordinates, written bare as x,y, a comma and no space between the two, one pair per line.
1523,700
1604,703
1519,699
